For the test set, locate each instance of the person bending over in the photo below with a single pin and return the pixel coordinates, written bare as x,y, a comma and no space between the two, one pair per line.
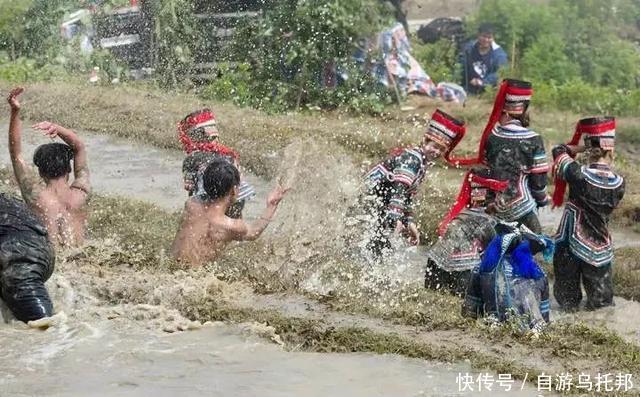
205,229
60,205
26,261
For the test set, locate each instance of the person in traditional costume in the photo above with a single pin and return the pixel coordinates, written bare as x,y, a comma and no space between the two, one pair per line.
199,135
584,247
509,284
392,184
464,233
516,153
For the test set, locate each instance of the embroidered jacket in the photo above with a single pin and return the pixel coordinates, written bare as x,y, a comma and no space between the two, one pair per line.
398,178
517,154
466,237
193,168
594,192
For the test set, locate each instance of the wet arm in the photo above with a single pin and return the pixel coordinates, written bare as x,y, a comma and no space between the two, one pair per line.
27,181
80,163
243,231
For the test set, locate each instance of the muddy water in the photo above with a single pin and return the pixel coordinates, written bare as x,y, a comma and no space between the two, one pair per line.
91,351
99,351
110,359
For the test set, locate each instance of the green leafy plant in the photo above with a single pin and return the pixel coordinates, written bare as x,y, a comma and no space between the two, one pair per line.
293,47
438,59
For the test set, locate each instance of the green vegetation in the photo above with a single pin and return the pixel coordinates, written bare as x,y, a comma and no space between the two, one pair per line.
577,53
438,59
288,53
581,55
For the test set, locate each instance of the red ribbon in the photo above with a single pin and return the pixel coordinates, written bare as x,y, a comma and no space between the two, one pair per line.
465,194
493,119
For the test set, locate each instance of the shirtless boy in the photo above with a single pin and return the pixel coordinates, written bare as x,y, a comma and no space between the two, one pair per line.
205,229
60,205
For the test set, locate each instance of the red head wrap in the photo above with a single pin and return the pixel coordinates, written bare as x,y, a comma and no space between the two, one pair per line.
513,97
471,178
601,128
200,119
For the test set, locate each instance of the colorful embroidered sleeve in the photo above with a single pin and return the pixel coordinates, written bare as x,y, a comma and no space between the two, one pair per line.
539,163
565,167
404,175
538,168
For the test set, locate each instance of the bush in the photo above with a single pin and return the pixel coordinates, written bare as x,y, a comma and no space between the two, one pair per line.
581,97
24,70
232,84
293,48
438,59
546,61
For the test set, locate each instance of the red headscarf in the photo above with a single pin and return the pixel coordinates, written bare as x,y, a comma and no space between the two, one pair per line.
512,93
603,128
190,145
465,195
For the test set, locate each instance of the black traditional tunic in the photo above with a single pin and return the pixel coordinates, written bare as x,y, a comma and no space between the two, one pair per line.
584,251
396,181
26,261
517,154
594,192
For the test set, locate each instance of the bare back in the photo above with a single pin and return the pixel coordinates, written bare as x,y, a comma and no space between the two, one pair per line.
62,208
203,233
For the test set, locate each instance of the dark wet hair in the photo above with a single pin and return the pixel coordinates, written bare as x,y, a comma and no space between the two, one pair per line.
486,28
53,160
220,178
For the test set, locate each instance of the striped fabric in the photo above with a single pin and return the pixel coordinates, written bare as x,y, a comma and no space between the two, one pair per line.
570,232
440,133
513,130
601,178
560,165
540,164
516,202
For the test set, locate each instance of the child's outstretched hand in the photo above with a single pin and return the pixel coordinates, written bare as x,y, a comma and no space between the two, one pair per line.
13,98
276,195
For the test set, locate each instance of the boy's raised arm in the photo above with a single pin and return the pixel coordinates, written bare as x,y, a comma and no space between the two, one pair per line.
80,163
28,183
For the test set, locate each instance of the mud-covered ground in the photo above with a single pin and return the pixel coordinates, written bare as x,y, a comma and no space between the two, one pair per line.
301,278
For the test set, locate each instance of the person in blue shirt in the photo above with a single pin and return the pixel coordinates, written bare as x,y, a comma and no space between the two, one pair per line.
481,59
